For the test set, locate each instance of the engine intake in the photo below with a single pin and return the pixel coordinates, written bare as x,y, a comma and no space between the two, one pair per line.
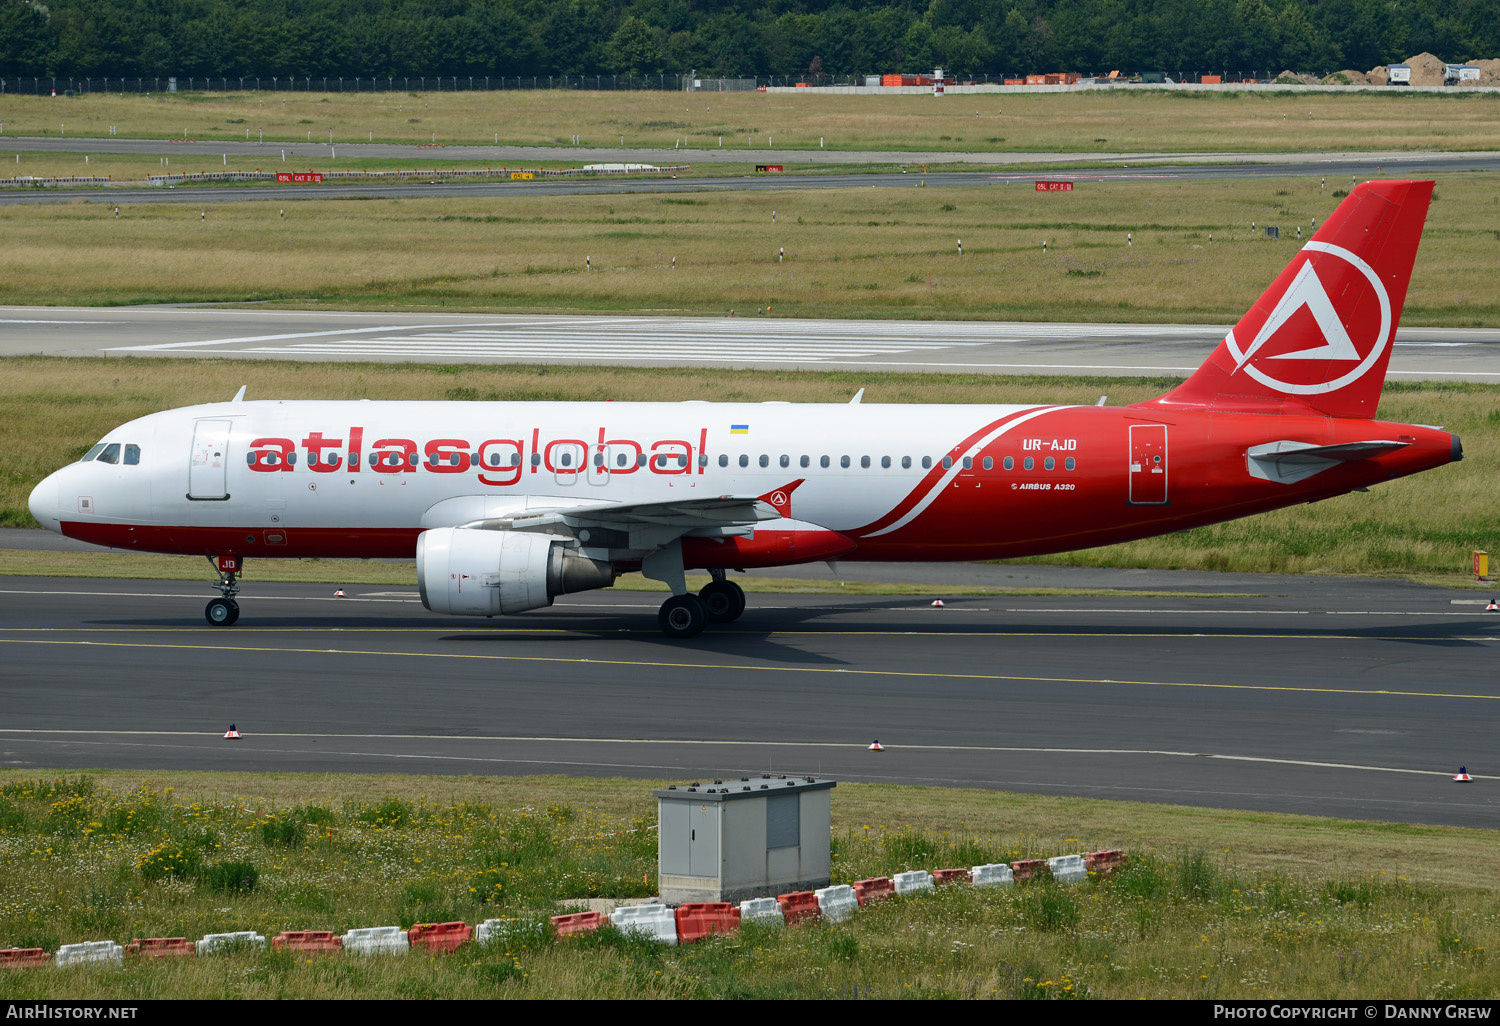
467,572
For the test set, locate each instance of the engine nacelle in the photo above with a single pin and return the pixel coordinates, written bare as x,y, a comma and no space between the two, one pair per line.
469,572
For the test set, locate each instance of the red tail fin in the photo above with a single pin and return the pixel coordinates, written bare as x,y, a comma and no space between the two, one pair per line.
1319,339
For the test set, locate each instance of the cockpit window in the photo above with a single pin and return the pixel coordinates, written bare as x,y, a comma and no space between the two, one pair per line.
111,453
95,451
132,455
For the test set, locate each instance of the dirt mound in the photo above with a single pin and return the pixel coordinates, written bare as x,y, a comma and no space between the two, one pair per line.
1350,77
1489,71
1426,70
1292,78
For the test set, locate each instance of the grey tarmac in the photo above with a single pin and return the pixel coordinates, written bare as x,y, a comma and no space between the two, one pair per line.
1316,696
963,347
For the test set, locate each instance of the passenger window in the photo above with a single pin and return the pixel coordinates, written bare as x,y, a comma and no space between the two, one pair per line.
682,461
906,463
864,461
947,462
640,460
1030,463
411,459
703,459
536,459
619,459
765,460
95,451
598,459
566,459
844,462
111,453
885,462
926,462
806,462
250,458
823,462
1050,463
744,459
968,463
723,459
291,459
1010,464
786,461
989,464
1070,463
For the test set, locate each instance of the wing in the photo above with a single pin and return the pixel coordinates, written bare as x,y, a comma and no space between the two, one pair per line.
623,525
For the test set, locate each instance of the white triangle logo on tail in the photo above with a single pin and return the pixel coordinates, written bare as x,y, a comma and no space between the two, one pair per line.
1307,290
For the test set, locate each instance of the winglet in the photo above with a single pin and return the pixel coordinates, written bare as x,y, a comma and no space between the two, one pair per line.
857,397
240,394
781,498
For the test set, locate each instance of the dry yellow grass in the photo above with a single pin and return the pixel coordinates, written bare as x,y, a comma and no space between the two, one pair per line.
1095,122
849,253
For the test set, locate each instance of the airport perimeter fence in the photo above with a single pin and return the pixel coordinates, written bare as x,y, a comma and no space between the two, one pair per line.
64,85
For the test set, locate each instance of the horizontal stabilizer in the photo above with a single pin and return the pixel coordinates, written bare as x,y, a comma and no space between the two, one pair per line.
1288,461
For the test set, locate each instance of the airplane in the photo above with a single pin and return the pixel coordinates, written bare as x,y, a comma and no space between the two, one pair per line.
506,506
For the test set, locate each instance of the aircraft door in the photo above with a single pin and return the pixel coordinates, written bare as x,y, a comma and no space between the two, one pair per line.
569,462
208,465
599,465
1148,464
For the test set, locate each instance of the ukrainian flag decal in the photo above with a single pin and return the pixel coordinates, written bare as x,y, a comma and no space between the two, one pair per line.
739,429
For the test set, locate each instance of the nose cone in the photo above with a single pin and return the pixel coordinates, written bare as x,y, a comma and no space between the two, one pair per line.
43,503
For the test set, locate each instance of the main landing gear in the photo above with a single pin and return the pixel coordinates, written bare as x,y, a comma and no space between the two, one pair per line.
224,611
719,601
724,600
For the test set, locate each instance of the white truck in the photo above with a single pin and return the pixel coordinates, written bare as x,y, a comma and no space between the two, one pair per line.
1398,74
1456,73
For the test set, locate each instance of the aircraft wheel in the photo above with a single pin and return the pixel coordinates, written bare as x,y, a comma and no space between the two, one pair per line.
725,601
221,612
682,616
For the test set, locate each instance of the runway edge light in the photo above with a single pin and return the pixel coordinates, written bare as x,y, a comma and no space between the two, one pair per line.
876,746
231,734
937,603
338,593
1463,775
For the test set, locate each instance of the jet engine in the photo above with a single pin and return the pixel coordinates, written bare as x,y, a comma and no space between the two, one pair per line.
472,572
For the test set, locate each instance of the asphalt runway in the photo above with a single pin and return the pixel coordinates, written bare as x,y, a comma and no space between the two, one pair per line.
1107,168
1324,697
1434,354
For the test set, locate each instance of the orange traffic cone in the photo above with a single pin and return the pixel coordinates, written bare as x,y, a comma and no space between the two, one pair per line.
1463,775
875,746
231,734
339,593
937,603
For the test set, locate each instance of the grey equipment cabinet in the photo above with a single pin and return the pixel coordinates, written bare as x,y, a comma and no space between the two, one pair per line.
748,838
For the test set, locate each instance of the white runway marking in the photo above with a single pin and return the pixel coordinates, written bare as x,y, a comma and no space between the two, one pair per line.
87,736
657,339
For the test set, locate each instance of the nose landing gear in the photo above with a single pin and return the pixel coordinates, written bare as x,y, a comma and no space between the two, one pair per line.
224,611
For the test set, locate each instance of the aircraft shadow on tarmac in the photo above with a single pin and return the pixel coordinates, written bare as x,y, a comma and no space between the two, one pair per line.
760,626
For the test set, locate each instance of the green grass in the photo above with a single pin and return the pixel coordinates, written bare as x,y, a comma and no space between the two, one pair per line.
850,253
1156,121
1213,903
52,410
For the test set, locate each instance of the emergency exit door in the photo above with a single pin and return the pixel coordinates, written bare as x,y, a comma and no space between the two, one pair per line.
1148,464
208,467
